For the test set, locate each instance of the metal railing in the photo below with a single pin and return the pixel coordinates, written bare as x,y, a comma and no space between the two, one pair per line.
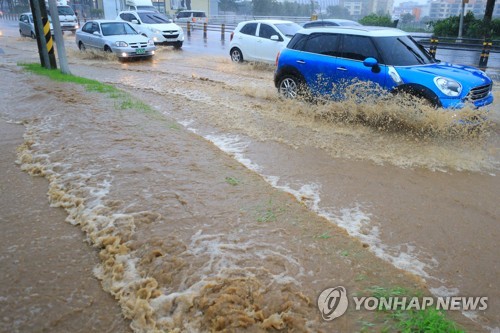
235,19
473,44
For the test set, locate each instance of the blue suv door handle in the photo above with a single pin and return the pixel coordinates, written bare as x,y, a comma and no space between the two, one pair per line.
341,68
301,62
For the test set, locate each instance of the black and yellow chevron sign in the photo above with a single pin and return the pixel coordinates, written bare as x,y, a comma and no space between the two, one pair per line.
48,35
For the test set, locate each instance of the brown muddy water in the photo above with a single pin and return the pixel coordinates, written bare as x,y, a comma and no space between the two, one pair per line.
191,239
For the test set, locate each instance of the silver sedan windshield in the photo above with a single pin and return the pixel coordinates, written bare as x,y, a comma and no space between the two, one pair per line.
118,28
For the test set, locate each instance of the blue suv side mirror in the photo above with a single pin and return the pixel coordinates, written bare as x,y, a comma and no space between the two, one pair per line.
370,62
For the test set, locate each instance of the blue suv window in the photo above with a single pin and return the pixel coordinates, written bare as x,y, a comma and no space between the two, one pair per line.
326,44
358,48
395,51
297,42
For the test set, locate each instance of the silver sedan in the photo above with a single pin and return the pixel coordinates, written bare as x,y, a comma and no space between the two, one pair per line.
114,36
27,26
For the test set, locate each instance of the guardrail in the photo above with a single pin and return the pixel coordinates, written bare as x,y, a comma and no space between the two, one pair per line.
235,19
473,44
10,16
15,17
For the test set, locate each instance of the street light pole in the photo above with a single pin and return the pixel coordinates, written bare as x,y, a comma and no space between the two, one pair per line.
461,24
61,51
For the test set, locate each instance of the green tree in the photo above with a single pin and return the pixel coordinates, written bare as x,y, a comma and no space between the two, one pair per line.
263,7
244,8
338,12
289,8
227,5
377,20
473,28
407,18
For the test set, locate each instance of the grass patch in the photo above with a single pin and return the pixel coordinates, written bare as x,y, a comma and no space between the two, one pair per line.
232,181
126,102
269,213
324,235
360,277
428,320
56,75
129,103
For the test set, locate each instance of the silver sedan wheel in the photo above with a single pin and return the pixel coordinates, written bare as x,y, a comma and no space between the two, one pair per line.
289,87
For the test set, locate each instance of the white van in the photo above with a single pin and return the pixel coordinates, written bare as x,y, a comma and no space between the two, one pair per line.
140,5
67,18
195,17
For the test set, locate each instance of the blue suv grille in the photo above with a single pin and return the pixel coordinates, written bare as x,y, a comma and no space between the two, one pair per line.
479,92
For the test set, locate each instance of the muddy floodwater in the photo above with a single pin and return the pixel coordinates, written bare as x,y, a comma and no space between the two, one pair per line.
211,204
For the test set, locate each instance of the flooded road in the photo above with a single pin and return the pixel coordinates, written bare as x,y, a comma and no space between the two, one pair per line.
46,283
184,229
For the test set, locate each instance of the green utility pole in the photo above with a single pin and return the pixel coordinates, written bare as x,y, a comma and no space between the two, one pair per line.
48,34
37,20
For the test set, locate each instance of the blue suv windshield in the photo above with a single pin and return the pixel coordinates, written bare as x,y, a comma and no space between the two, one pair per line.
402,51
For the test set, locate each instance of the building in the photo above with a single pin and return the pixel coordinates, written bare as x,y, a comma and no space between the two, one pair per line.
360,8
411,7
355,8
113,7
441,9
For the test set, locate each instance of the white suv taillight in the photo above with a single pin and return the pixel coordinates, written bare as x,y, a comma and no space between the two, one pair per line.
231,37
277,58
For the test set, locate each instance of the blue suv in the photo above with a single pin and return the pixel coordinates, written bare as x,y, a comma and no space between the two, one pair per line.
322,61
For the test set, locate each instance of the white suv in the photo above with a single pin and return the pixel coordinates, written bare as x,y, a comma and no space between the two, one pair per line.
260,40
154,25
67,18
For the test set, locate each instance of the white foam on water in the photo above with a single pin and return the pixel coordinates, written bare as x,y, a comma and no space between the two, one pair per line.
233,145
187,125
352,219
227,255
82,191
444,291
472,315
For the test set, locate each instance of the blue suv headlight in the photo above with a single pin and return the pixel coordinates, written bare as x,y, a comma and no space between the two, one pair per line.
447,86
393,73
